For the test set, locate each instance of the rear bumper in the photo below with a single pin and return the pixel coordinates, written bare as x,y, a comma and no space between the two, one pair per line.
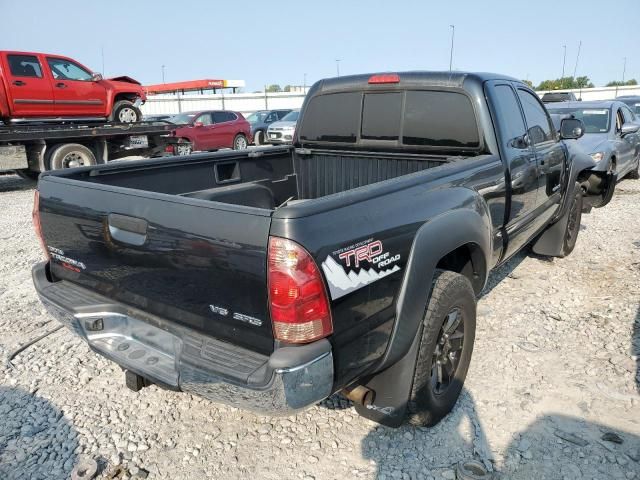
289,380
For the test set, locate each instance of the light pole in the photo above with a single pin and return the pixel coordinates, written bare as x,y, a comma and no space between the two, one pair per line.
624,69
564,60
575,69
453,34
163,73
338,66
304,84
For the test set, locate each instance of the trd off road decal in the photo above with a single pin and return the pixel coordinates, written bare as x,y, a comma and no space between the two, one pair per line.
355,266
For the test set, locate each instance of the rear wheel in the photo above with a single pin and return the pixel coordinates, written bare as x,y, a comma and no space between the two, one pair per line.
70,155
258,138
240,142
446,344
183,147
125,111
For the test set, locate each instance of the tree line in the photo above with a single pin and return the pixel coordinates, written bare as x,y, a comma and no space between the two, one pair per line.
566,83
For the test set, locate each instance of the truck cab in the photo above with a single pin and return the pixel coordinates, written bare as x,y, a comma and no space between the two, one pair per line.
46,86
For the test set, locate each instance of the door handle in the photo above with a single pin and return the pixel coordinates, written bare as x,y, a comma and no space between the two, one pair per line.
61,85
126,229
19,83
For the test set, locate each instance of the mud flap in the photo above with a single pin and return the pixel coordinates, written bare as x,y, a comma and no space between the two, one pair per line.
392,388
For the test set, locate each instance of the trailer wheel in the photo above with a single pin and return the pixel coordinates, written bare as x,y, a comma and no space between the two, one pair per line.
125,112
70,155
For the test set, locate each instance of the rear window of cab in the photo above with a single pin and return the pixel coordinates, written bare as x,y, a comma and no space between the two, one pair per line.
418,118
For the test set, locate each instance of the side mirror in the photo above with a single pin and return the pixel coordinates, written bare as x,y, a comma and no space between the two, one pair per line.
628,128
198,124
571,129
96,77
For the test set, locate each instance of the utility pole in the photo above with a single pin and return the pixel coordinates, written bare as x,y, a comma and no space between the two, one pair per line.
575,69
338,66
453,34
163,73
564,60
304,84
624,69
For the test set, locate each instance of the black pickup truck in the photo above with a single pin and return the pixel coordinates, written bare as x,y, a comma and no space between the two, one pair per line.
349,262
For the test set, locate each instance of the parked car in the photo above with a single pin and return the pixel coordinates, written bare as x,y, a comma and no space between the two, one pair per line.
211,130
349,261
553,97
261,120
632,101
282,131
611,133
44,86
160,117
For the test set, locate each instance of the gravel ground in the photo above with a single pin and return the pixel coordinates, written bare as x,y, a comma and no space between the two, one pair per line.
552,391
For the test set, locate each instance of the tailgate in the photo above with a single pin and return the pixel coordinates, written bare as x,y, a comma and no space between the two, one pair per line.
196,263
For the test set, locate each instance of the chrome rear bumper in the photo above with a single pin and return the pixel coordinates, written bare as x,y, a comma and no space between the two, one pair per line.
289,380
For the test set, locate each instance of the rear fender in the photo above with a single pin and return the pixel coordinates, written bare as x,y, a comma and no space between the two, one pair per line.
433,241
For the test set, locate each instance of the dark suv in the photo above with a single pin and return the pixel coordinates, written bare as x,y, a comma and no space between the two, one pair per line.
260,121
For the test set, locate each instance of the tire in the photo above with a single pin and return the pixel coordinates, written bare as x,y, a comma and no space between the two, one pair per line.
451,311
635,173
240,142
28,175
573,222
70,155
125,111
258,138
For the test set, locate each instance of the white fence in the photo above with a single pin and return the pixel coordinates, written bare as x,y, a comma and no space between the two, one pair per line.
250,102
240,102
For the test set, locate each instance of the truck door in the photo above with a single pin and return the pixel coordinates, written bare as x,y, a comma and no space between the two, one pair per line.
520,158
550,156
75,93
30,92
627,146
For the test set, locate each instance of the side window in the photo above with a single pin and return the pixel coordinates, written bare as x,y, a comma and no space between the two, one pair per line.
62,69
24,66
619,120
205,119
281,114
508,111
272,117
219,117
540,127
628,115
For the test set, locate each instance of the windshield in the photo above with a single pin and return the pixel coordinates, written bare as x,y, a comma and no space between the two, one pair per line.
182,118
257,117
596,120
291,117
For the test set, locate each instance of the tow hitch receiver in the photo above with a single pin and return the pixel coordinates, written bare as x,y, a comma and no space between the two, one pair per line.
134,381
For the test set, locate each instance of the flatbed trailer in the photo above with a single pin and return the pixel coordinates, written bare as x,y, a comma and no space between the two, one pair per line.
33,148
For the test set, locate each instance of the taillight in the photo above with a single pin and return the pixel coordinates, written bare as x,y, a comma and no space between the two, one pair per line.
298,300
169,149
35,214
385,78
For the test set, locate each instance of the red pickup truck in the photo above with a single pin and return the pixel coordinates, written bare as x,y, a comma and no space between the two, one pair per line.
52,87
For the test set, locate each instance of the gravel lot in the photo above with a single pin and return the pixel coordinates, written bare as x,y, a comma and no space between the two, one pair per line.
554,370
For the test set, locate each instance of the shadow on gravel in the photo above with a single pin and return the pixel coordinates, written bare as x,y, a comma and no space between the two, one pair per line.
635,346
421,453
505,270
563,447
14,183
36,441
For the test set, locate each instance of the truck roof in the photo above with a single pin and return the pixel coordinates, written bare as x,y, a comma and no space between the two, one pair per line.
413,79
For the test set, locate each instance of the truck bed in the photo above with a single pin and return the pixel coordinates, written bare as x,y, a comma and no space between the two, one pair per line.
267,178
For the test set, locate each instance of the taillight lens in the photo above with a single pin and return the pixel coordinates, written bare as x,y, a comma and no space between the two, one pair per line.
298,300
385,78
35,214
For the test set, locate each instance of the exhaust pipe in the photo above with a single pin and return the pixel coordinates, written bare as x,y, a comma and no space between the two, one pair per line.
359,394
